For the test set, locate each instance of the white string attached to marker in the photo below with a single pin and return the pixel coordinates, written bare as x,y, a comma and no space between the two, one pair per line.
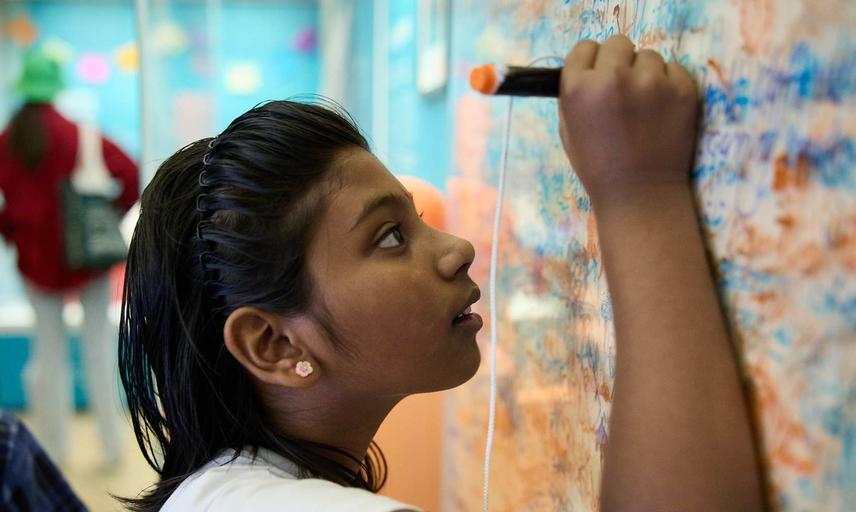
494,258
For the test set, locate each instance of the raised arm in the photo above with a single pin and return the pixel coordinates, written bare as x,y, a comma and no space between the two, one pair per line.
680,436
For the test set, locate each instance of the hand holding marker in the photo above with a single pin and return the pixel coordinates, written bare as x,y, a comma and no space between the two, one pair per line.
687,409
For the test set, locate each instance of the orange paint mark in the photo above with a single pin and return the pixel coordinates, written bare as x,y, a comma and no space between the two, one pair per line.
604,392
783,455
763,298
654,38
22,30
625,18
811,259
842,234
720,74
756,20
545,395
755,242
848,250
786,175
591,235
785,439
787,221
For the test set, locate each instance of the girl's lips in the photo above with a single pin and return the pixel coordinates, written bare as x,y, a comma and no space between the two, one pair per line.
469,321
466,308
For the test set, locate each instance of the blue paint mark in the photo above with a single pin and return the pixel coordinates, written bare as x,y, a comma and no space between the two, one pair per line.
606,310
584,267
589,355
803,78
783,338
602,436
711,222
765,145
807,489
842,308
847,473
835,162
702,171
833,421
732,104
805,68
676,16
745,319
739,277
584,204
809,77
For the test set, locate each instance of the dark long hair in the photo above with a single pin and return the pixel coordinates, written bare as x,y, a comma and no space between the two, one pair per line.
28,140
225,223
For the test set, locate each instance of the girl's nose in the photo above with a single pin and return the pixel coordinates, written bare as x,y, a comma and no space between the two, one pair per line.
456,258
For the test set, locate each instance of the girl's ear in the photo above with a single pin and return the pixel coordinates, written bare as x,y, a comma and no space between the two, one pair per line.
268,347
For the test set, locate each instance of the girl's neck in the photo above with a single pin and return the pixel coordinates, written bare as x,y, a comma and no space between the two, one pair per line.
345,422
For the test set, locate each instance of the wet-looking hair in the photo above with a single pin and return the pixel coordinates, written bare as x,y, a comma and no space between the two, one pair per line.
28,138
225,223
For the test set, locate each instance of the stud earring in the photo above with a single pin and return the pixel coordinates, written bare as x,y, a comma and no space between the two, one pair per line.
304,368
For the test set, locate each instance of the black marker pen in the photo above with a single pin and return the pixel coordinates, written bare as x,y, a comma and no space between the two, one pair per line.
516,80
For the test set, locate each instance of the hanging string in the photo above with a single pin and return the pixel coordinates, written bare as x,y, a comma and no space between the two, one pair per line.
494,257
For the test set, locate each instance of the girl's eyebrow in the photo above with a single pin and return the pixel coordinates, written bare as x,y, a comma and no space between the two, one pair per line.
393,199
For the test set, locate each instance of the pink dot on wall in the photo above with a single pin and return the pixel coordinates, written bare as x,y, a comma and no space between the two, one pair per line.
306,40
93,69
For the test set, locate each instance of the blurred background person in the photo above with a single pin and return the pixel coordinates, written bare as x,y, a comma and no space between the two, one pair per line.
38,153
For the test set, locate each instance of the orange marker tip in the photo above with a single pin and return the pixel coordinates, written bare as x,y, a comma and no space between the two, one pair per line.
484,79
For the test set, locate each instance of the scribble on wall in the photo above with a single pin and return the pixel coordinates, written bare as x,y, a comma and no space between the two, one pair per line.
775,177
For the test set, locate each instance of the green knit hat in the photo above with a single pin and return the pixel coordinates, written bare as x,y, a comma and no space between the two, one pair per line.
41,78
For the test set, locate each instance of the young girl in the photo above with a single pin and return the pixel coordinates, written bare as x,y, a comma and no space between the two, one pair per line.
282,295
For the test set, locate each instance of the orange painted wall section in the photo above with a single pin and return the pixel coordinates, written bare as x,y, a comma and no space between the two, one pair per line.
411,441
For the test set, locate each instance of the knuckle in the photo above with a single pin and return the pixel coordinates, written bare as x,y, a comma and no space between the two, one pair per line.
583,46
620,39
648,53
682,83
648,83
590,90
618,78
678,72
575,88
610,87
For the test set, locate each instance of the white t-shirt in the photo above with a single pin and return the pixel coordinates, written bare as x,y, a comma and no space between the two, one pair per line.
269,483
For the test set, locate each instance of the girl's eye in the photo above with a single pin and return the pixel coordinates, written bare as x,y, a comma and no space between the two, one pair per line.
392,238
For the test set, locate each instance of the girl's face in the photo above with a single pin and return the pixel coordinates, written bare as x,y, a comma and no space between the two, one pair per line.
393,287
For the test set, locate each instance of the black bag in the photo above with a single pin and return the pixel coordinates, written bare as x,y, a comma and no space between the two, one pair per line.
90,220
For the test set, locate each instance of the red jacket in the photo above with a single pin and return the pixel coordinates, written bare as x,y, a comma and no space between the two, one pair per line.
31,216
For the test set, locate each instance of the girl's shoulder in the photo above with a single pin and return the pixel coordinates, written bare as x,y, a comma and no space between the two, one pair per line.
268,482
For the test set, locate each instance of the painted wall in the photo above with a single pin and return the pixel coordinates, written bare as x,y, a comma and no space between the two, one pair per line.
775,177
